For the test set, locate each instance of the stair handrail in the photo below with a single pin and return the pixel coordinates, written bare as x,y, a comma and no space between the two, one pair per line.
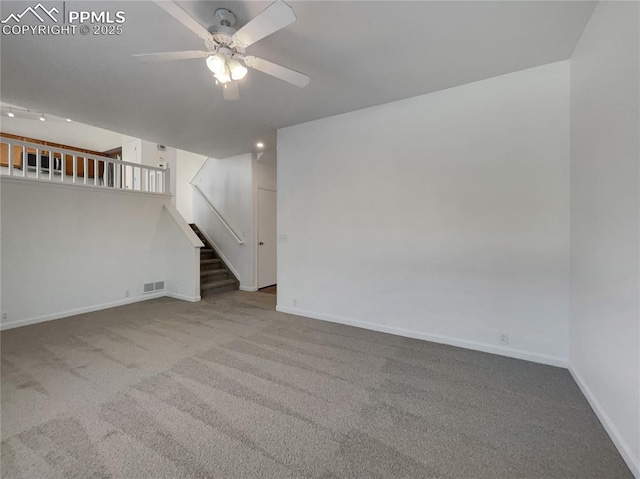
220,217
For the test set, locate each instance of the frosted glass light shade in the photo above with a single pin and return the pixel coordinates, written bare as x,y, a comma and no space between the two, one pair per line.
224,76
216,63
238,71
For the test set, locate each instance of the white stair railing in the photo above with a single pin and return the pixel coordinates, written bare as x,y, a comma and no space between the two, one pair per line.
42,162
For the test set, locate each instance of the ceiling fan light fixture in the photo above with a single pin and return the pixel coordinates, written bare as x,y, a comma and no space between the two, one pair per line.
216,63
224,76
225,46
238,71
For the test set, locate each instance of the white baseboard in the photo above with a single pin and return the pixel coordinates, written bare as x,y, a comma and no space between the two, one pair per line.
436,338
184,297
249,288
74,312
632,460
98,307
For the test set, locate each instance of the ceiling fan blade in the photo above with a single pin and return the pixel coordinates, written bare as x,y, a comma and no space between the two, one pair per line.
275,17
170,56
283,73
230,91
183,17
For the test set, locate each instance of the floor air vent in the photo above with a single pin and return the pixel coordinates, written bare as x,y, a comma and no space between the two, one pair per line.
151,287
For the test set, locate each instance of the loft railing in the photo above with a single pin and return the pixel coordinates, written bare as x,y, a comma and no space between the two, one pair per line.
48,163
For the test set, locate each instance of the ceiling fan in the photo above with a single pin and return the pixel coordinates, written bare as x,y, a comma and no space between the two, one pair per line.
225,54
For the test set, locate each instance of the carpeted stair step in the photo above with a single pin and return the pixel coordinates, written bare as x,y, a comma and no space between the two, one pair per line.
214,272
214,285
210,264
215,277
206,254
210,261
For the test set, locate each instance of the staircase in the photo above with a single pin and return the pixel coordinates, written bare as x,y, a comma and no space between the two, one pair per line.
215,277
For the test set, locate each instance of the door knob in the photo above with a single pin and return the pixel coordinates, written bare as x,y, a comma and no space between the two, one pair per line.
261,243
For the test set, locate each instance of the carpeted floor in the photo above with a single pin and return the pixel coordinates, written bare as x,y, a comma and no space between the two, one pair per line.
230,388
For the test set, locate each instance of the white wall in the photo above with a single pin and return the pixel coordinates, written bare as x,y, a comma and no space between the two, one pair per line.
442,217
187,165
231,186
181,253
605,222
183,165
70,249
228,186
152,156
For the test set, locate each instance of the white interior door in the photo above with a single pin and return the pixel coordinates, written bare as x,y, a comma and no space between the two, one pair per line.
131,153
267,237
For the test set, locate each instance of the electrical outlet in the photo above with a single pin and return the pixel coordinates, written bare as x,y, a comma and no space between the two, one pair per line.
504,338
126,293
283,237
4,315
295,302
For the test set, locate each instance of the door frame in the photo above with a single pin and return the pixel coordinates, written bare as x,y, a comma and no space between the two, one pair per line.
256,226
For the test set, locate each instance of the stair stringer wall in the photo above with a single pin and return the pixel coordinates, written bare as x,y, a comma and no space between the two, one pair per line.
228,186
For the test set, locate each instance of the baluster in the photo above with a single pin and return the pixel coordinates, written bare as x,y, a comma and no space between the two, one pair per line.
74,158
51,165
37,163
10,153
25,161
86,169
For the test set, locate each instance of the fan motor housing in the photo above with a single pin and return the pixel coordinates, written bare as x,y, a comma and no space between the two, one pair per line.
225,17
222,35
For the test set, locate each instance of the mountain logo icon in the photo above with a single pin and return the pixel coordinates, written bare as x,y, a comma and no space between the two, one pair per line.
34,10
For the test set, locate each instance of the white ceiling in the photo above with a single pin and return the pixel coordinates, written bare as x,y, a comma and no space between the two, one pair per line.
358,54
57,130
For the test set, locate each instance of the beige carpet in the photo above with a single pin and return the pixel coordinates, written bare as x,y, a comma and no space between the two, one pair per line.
270,289
230,388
